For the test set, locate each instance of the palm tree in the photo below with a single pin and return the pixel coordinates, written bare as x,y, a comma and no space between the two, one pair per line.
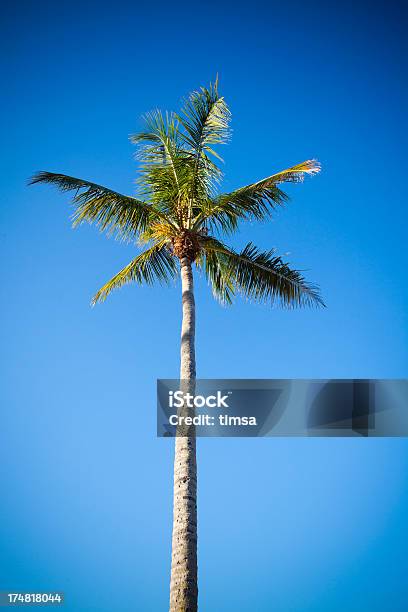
180,218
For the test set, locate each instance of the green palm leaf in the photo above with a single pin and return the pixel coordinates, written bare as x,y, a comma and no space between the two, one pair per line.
159,148
124,216
216,269
205,121
257,200
262,276
205,118
154,264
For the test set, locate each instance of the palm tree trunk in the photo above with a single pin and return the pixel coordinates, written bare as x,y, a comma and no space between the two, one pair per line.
183,584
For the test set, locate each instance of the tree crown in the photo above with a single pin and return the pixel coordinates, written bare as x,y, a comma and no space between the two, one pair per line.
179,215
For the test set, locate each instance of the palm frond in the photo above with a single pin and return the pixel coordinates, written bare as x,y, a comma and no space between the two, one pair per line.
256,200
111,211
216,271
263,276
222,214
205,118
217,218
158,232
156,263
167,169
205,121
295,174
161,130
159,144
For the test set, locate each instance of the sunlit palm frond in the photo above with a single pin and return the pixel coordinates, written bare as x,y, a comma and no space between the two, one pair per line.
295,174
161,131
264,276
222,214
158,232
205,118
154,264
112,212
256,200
167,169
217,219
159,145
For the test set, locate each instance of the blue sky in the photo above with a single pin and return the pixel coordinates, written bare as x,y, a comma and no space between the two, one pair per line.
302,525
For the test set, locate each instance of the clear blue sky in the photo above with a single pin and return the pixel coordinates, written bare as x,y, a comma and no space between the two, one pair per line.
285,525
